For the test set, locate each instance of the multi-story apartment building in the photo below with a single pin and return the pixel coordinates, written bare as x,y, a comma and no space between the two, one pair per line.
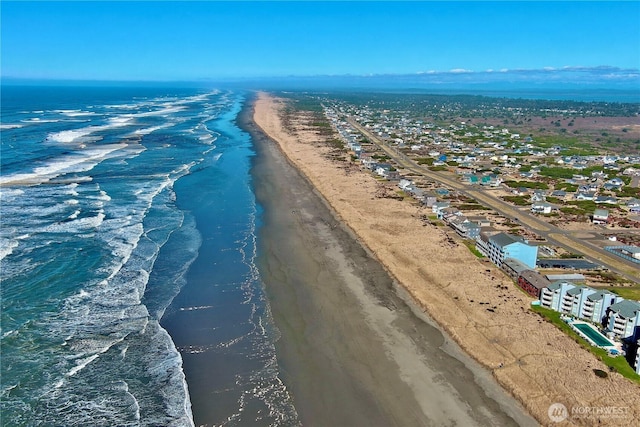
575,299
553,296
501,246
624,319
596,305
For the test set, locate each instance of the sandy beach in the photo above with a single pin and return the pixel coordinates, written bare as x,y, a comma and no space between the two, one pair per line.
508,345
352,352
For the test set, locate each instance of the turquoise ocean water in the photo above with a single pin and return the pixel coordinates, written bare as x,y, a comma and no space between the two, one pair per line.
113,200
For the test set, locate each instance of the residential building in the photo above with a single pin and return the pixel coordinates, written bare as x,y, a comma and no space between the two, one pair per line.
513,267
606,199
561,194
503,246
429,199
481,221
596,305
448,213
464,227
482,242
405,184
541,207
383,169
438,206
573,301
624,319
633,203
553,295
533,282
600,216
585,195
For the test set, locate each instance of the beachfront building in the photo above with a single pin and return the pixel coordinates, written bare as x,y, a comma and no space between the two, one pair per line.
624,319
637,362
482,242
502,246
532,282
465,228
429,199
553,295
596,305
438,206
573,301
513,268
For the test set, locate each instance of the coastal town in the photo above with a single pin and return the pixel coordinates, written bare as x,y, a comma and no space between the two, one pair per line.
596,194
483,304
559,216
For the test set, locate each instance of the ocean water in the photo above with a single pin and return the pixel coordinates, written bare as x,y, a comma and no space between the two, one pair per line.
112,202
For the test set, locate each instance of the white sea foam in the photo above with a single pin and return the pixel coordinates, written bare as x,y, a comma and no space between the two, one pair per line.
80,365
7,246
38,120
67,136
79,135
9,194
76,113
74,215
200,307
10,126
77,161
147,131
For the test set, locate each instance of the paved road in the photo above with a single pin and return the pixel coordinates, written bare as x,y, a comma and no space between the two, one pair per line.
551,233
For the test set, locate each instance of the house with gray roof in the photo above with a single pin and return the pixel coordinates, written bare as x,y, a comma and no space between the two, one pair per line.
600,216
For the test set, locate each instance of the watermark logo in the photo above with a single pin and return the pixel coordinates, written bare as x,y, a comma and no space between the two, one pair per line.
557,412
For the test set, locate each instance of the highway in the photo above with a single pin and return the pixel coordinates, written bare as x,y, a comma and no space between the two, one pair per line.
554,235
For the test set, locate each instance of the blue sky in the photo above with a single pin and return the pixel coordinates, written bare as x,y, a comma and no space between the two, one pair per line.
213,40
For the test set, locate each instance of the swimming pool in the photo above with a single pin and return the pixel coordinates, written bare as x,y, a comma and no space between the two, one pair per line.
593,335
